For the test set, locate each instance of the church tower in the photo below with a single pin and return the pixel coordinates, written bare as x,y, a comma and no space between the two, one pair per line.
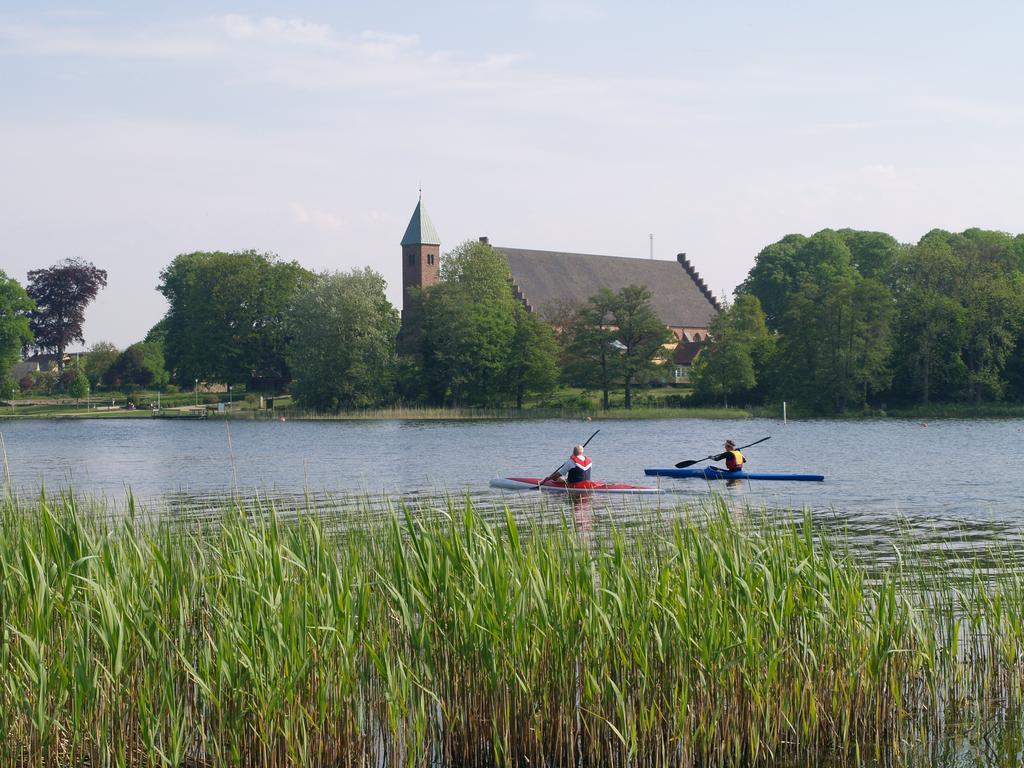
421,254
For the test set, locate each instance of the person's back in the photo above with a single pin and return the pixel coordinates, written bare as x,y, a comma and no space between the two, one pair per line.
576,470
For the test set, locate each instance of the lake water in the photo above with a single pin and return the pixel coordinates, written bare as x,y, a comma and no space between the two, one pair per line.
935,475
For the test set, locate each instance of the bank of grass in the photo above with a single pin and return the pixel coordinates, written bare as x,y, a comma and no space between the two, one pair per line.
427,413
959,411
450,641
912,412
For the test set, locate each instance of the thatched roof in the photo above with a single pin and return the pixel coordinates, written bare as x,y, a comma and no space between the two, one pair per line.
545,279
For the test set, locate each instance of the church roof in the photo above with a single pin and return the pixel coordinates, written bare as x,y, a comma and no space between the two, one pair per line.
421,229
545,278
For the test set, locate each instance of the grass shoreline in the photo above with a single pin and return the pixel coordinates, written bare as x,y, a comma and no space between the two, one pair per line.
414,414
253,640
417,413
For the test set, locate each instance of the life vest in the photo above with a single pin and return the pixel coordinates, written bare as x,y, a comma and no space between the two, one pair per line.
734,460
580,471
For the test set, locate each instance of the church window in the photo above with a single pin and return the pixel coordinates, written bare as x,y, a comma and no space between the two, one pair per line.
430,258
412,259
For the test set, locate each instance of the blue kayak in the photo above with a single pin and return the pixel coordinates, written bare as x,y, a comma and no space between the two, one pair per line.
712,473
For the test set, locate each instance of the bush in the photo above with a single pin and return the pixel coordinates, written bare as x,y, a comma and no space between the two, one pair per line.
44,382
172,389
211,398
26,383
676,401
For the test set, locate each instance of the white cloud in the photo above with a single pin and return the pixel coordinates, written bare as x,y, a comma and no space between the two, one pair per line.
502,60
879,171
293,31
304,55
379,45
569,10
315,217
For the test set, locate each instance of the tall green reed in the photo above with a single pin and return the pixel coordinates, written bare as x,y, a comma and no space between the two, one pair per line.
252,640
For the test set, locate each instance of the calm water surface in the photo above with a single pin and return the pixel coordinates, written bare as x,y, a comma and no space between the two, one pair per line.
934,474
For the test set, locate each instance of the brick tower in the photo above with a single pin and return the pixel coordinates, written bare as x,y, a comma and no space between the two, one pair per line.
421,254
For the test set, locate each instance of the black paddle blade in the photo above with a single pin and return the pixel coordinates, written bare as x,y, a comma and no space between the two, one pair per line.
681,464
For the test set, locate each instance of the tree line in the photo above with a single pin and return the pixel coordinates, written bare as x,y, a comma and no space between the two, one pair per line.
837,321
333,339
846,319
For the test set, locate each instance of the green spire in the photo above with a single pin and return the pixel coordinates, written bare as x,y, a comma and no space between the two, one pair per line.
421,229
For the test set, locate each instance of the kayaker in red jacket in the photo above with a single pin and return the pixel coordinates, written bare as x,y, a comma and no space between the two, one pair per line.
576,469
734,460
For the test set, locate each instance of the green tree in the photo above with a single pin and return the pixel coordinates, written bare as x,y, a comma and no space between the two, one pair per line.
533,357
78,388
872,254
961,305
616,339
775,275
468,326
343,331
738,351
932,322
140,366
782,267
835,331
640,334
98,360
591,360
227,319
15,306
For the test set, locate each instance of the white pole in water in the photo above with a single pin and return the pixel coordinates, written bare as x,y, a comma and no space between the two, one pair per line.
784,412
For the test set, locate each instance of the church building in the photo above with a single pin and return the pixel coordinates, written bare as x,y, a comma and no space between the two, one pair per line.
547,280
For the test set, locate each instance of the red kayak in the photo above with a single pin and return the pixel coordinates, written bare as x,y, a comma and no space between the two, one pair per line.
559,486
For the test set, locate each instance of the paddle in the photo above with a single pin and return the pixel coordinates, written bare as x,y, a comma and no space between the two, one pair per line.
560,466
682,464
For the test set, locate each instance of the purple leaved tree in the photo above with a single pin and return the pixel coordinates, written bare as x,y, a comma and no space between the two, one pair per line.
61,293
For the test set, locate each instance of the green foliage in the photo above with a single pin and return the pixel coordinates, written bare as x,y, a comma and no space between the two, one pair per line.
739,348
782,267
641,337
835,332
860,317
476,346
97,361
616,338
961,315
78,387
140,366
343,331
227,319
15,306
591,360
533,357
834,321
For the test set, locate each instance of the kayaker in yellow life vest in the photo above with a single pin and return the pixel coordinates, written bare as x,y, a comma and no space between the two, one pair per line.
734,460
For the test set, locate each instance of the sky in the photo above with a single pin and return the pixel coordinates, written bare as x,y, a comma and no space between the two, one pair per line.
133,132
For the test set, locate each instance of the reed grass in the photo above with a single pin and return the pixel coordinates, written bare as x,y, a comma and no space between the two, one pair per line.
253,640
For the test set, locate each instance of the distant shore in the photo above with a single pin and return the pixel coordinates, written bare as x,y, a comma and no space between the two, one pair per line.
396,413
427,413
